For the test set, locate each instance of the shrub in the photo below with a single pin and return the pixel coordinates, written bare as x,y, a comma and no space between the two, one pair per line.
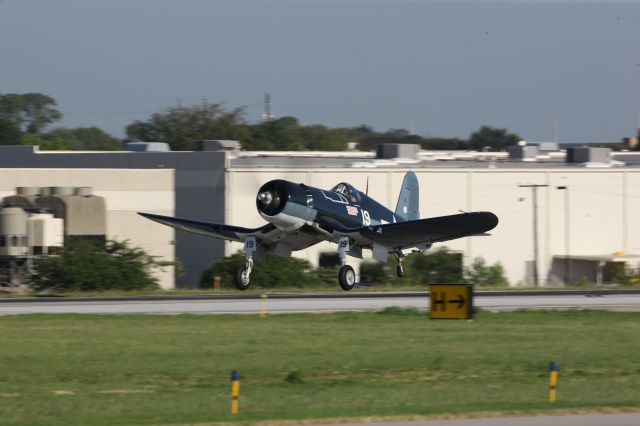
480,274
374,273
89,266
440,266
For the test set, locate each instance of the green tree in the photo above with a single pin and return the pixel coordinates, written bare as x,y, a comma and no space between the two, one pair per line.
30,112
397,133
495,139
440,266
354,134
46,144
82,138
281,134
86,266
180,127
9,132
320,138
481,274
374,273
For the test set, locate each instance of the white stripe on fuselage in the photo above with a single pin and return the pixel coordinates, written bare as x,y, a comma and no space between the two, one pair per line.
342,200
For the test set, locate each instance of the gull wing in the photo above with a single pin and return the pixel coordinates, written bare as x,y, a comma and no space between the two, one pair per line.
269,237
414,233
215,230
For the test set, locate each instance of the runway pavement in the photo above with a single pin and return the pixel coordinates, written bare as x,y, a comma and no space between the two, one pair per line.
252,304
621,419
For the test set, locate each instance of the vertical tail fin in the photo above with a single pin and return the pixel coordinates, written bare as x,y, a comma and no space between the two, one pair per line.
409,199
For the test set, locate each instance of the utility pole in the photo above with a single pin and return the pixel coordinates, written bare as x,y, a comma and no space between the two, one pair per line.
567,235
556,129
534,189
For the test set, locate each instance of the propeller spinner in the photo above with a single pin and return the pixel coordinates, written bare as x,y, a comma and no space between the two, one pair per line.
272,197
269,199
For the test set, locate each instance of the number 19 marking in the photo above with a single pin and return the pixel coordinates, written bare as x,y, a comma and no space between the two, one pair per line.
366,218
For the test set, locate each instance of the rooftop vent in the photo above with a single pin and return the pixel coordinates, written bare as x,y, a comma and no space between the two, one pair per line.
397,150
587,154
148,147
523,152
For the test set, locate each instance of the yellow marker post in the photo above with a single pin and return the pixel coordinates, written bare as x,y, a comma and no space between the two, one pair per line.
553,381
263,305
235,391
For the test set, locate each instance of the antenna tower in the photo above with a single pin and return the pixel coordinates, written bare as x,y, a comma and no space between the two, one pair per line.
267,115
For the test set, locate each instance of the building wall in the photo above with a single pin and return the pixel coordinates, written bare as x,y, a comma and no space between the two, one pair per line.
601,206
126,191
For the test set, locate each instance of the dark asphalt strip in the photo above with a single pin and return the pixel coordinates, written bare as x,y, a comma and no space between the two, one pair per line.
417,294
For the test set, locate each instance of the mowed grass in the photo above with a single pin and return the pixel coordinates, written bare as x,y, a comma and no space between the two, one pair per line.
150,369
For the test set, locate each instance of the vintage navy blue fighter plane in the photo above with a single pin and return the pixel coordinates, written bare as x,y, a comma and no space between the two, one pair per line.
300,216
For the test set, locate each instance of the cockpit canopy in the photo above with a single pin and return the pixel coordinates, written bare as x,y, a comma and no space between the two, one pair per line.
352,195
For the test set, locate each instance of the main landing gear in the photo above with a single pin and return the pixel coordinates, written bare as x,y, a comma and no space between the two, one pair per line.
243,273
399,269
346,275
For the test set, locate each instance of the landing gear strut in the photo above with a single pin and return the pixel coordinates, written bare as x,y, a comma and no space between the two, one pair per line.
399,269
243,272
346,276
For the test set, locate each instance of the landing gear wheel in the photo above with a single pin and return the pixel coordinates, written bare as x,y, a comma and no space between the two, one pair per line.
241,278
400,271
347,277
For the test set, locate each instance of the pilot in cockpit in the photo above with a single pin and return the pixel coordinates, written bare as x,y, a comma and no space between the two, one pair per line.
342,189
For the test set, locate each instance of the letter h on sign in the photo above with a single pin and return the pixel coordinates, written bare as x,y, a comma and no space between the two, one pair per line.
439,301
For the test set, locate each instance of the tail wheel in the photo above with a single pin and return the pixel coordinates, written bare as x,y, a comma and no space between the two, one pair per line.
347,278
400,271
241,278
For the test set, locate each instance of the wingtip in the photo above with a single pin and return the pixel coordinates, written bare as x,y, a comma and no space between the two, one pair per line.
492,219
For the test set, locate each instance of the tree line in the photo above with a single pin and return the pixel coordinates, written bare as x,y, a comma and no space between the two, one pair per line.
24,119
27,119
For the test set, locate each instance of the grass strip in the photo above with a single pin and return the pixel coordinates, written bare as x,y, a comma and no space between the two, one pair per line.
141,369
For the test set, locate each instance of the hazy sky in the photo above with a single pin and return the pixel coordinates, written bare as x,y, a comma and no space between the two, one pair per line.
444,68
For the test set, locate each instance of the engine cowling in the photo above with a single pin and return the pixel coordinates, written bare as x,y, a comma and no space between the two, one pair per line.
284,203
273,197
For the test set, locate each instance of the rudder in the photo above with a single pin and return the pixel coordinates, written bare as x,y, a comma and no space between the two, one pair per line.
409,199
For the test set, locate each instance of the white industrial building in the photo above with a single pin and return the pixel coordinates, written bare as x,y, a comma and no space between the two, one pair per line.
597,200
125,193
600,213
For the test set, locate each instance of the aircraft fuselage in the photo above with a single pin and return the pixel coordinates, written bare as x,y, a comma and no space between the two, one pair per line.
288,205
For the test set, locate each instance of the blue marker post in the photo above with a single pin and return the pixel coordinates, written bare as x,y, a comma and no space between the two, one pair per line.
553,381
235,391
